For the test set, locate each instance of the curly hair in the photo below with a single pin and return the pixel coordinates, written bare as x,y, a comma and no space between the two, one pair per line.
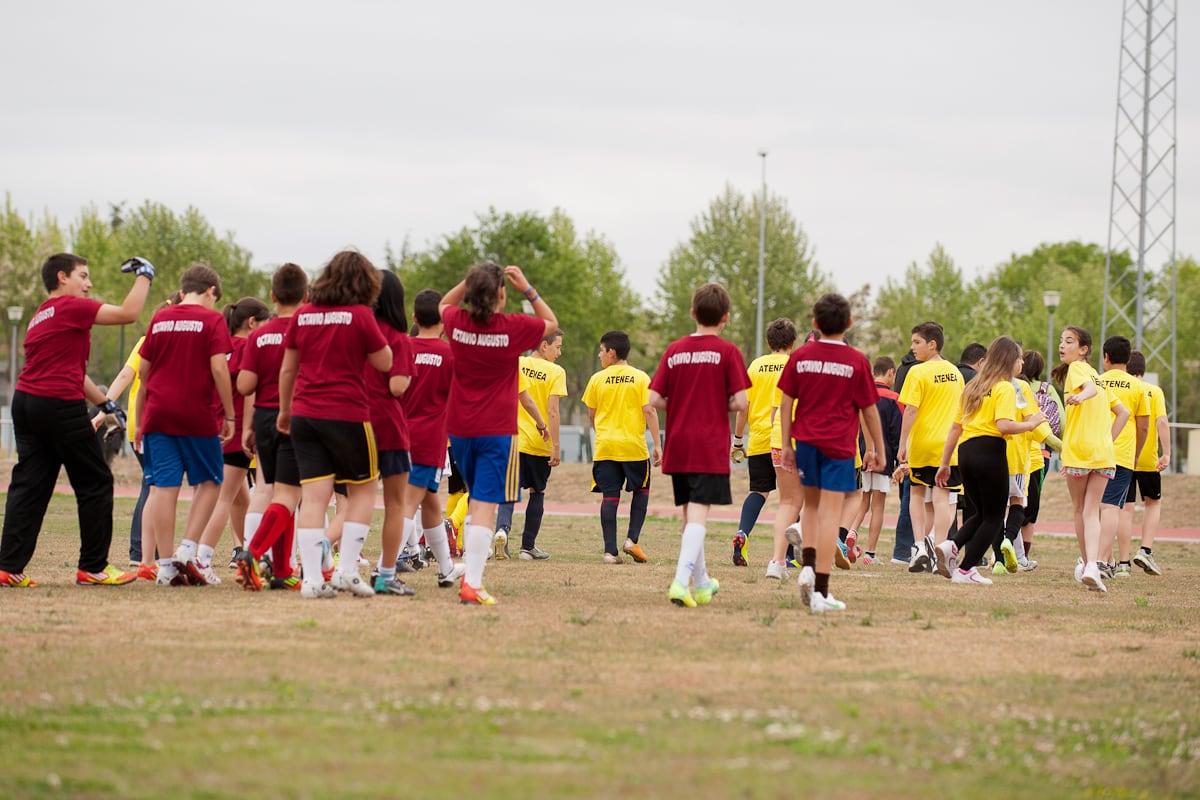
484,282
349,279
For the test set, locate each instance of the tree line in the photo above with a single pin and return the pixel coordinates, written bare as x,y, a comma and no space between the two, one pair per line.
582,276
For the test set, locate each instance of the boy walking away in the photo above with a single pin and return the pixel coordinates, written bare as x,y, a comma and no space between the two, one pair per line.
1147,478
1127,445
876,484
830,385
700,379
765,442
547,384
185,414
51,425
618,403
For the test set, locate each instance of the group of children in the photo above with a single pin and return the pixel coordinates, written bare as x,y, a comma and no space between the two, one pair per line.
333,394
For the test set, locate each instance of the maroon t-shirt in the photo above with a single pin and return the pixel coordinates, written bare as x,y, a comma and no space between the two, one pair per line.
263,355
425,401
179,387
58,341
387,414
333,343
483,394
234,360
831,382
698,374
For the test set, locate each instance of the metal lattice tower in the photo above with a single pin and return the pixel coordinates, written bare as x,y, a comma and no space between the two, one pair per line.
1139,300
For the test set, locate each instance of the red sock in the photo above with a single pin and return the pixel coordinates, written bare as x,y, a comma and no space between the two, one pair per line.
275,520
281,552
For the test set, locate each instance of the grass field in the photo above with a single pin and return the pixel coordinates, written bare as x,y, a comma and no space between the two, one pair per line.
585,682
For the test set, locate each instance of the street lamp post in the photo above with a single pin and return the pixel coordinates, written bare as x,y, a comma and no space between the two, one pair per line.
762,252
1050,299
14,316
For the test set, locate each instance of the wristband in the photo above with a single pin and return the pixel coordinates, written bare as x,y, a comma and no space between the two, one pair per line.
530,293
231,419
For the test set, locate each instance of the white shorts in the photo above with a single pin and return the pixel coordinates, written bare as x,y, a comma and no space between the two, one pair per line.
929,494
1016,489
876,482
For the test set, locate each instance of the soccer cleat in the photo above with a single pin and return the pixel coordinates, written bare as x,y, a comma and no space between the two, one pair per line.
853,551
1107,570
15,580
147,572
452,538
1028,565
533,554
210,576
1092,579
919,561
417,560
351,582
456,572
704,594
681,595
807,583
109,576
404,565
500,545
469,595
317,591
328,562
793,535
609,558
739,549
634,551
248,574
840,560
1123,571
777,570
1147,562
929,553
190,570
393,586
290,583
1010,556
820,603
946,554
233,558
970,576
998,568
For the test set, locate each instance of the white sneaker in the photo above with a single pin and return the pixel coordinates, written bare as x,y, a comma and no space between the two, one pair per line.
1079,571
777,570
317,591
920,560
209,575
1092,579
352,583
793,535
807,581
947,558
821,603
970,576
500,545
1028,565
446,581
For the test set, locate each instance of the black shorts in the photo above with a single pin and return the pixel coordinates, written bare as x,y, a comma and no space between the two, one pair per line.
273,450
1149,483
608,477
925,476
237,459
701,487
454,482
331,448
535,472
762,472
394,462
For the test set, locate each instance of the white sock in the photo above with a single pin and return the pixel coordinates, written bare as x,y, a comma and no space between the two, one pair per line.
253,520
354,536
308,546
691,547
166,568
204,555
187,550
408,540
700,573
435,537
477,540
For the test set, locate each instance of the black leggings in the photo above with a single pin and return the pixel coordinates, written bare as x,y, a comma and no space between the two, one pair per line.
984,468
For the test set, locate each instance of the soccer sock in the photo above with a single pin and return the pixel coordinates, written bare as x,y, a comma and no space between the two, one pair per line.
204,555
808,557
637,513
822,584
842,534
458,517
751,506
533,519
690,545
281,552
407,540
308,542
354,536
452,502
700,573
477,541
439,543
1014,522
387,573
608,522
253,520
1029,548
504,515
275,521
187,550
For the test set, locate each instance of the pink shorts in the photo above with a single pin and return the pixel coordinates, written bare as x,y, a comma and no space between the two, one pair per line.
1082,472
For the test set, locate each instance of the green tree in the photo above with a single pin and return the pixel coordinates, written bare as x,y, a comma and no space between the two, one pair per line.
935,291
723,247
24,246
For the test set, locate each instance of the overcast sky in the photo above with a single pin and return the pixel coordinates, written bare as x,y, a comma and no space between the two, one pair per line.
304,127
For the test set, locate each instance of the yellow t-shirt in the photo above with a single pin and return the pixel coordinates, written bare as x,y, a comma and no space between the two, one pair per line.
1087,430
1023,446
134,360
544,379
999,403
1157,403
1132,394
934,388
618,395
764,396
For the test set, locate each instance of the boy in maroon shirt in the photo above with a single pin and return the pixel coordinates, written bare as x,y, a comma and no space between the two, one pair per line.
184,374
51,425
700,380
830,385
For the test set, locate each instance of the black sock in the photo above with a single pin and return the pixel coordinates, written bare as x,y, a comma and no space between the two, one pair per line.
1145,550
842,534
808,557
870,554
822,584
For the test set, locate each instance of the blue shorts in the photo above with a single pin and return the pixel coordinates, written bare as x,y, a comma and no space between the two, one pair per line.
172,456
1118,488
818,470
428,478
489,465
